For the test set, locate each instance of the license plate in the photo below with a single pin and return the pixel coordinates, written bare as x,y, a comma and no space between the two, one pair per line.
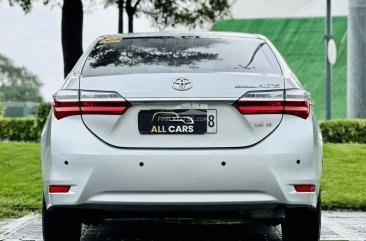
189,121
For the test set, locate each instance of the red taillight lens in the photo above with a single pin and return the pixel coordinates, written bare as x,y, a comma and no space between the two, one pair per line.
293,102
104,107
67,103
259,107
64,109
305,188
298,108
59,189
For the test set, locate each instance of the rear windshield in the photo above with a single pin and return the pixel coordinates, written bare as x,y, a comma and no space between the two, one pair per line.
114,56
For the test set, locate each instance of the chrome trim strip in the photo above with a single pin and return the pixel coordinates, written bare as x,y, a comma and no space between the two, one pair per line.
180,99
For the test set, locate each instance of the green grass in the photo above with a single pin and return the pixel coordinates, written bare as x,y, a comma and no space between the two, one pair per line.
301,42
344,176
20,178
343,183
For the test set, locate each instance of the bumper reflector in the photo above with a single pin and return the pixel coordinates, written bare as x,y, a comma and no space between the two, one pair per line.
305,188
59,189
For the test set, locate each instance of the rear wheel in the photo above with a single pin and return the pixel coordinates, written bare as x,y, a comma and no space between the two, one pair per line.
302,224
60,225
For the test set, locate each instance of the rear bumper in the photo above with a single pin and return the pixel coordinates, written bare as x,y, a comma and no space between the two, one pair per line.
106,178
97,212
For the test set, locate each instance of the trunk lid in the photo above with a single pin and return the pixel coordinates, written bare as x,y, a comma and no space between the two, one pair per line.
209,91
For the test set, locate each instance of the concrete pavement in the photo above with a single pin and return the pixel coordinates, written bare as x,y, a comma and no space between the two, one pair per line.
336,226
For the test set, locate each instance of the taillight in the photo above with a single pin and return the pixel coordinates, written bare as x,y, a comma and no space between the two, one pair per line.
68,103
290,102
297,103
102,103
266,102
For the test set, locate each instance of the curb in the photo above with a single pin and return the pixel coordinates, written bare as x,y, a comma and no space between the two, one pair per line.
343,207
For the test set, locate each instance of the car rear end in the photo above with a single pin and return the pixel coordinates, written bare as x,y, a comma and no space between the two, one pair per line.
182,125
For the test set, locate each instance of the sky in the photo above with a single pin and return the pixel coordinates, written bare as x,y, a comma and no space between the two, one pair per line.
34,40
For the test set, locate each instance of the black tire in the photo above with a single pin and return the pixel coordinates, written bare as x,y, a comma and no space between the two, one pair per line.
302,224
60,225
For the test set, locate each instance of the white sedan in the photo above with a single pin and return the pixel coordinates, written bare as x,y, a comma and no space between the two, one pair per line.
193,125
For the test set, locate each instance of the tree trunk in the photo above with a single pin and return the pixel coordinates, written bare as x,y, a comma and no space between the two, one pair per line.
72,33
130,10
120,15
130,22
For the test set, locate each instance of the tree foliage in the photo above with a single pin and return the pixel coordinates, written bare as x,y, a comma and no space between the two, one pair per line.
1,105
171,13
17,83
26,5
190,13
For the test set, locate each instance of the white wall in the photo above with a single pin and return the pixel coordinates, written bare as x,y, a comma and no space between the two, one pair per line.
286,8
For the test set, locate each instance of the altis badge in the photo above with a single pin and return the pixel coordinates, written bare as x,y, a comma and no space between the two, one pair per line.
259,86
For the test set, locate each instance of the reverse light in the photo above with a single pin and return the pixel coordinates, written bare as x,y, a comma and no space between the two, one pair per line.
68,103
289,102
59,189
305,188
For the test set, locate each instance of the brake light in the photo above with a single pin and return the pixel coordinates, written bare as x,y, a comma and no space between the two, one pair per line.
305,188
68,103
290,102
297,103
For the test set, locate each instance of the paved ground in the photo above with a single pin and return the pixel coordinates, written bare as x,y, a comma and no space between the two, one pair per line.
336,226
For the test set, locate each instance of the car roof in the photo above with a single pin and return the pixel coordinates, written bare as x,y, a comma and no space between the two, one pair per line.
185,34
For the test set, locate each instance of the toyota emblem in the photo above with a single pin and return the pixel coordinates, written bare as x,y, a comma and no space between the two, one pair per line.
182,84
